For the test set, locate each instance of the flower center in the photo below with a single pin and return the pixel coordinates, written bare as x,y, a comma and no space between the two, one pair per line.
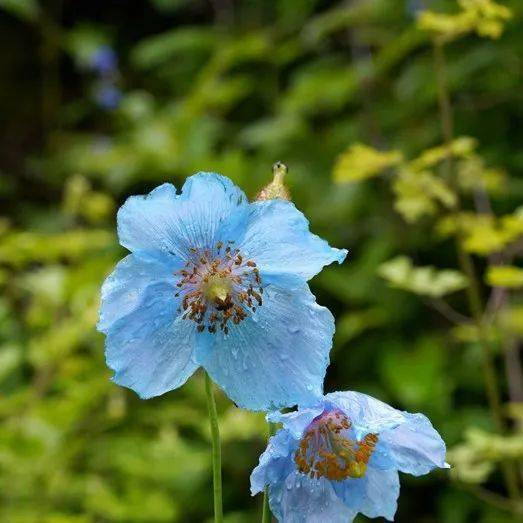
326,450
218,287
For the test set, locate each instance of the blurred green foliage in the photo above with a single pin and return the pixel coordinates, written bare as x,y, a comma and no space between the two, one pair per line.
342,92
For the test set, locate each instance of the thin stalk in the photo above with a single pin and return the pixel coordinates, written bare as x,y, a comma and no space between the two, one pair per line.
467,266
266,514
216,451
489,371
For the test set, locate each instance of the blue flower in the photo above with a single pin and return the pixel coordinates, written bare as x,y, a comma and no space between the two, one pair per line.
341,457
218,282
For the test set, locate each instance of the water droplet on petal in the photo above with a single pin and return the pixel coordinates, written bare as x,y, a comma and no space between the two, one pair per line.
293,328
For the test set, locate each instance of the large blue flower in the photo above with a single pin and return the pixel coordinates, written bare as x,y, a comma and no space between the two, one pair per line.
216,281
342,456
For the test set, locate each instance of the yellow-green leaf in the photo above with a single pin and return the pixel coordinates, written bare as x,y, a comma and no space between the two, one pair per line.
428,281
360,162
461,147
418,194
484,17
512,224
505,276
512,319
482,234
473,174
473,459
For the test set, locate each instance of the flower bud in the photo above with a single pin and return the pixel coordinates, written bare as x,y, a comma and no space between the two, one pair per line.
276,189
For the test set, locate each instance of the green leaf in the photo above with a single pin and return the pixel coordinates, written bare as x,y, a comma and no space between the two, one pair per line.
416,375
157,50
360,162
83,41
428,281
320,88
170,6
353,324
25,9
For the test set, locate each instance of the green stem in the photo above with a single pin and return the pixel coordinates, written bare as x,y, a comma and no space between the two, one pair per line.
475,306
216,451
266,514
467,266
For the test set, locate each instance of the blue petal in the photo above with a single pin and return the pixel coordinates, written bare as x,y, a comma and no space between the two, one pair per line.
278,239
407,442
151,348
276,463
166,221
375,494
301,499
382,492
123,289
415,446
367,414
277,356
296,422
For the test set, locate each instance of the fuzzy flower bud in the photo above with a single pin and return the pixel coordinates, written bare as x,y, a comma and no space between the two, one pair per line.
276,189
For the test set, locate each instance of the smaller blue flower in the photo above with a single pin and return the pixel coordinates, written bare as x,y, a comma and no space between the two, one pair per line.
341,457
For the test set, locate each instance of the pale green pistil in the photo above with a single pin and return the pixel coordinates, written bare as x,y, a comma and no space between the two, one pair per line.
217,289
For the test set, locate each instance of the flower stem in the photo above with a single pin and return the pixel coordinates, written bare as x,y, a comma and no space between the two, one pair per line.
266,514
216,451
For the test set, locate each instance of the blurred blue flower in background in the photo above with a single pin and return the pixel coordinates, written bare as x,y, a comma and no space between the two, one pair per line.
107,95
104,61
415,7
341,457
218,282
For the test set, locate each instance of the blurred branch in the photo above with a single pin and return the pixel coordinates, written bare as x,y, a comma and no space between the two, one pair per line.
513,371
447,311
492,499
467,266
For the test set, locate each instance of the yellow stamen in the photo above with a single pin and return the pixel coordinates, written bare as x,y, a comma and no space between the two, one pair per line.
327,450
218,288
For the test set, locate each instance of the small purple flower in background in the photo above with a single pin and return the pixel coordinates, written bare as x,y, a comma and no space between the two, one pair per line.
341,457
218,282
107,95
104,61
415,7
